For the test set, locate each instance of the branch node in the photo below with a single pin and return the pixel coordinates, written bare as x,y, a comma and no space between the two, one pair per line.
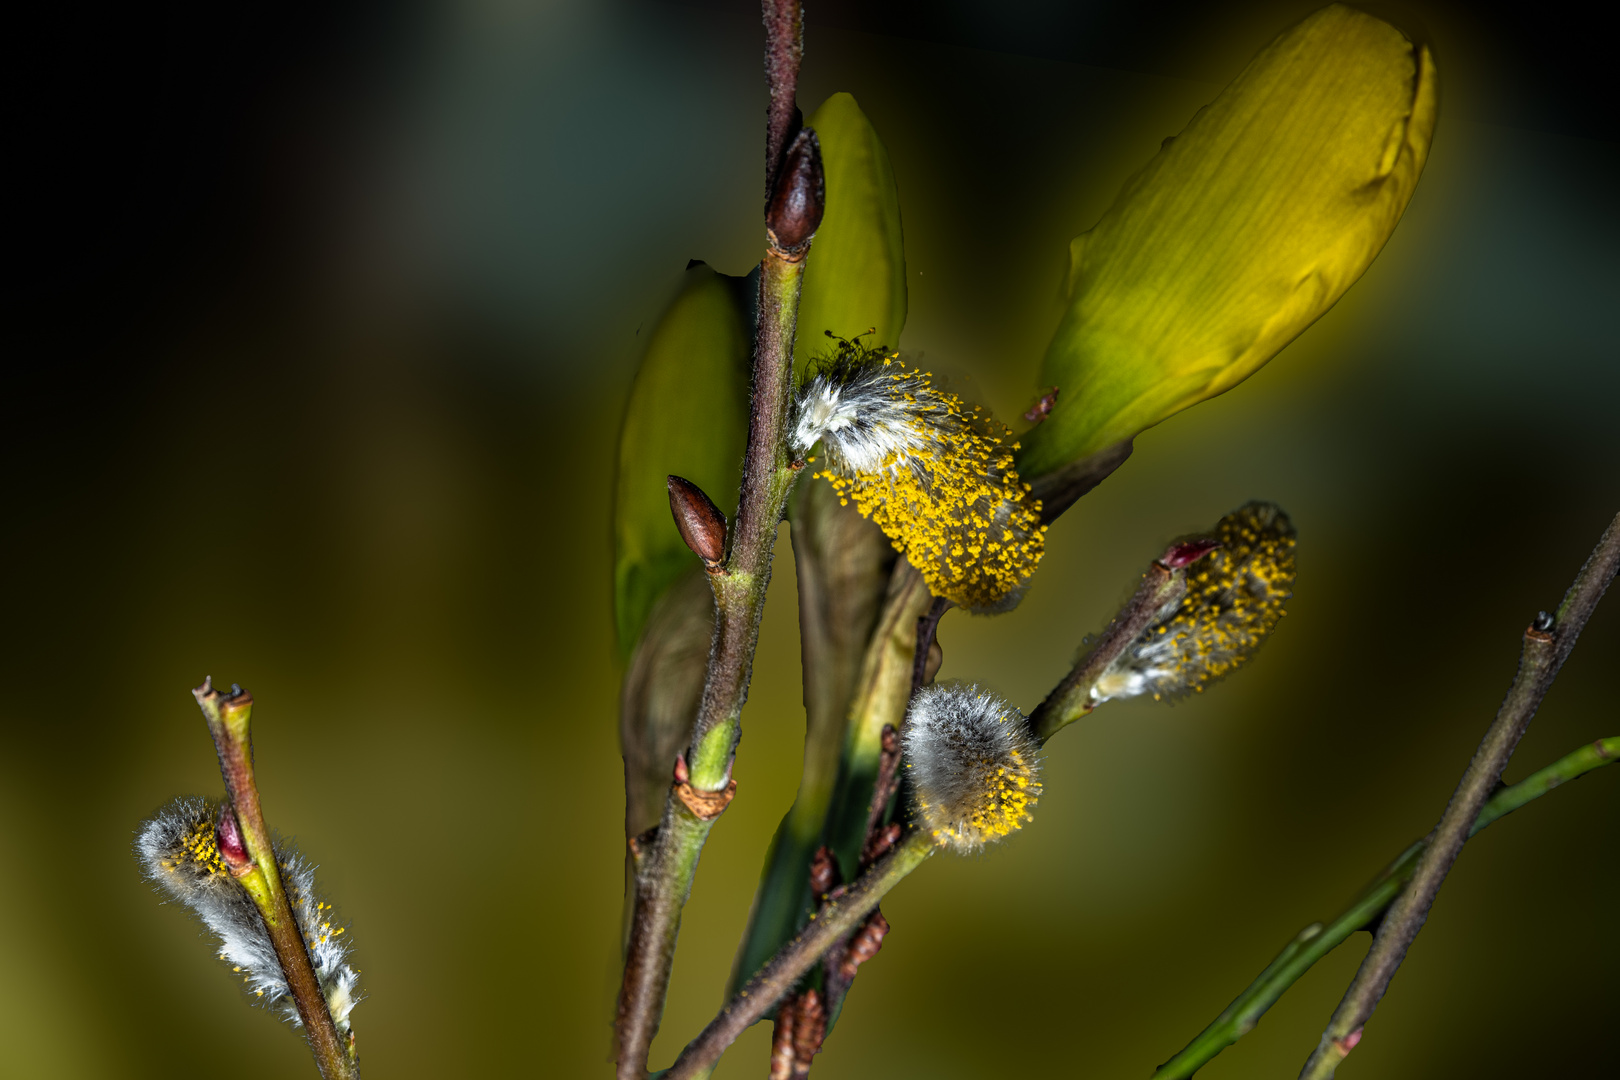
705,805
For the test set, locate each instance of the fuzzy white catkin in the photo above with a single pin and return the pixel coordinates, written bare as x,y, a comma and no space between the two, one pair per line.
178,852
972,765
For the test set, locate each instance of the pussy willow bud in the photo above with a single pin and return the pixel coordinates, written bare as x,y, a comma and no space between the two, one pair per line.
794,211
701,523
1234,598
972,765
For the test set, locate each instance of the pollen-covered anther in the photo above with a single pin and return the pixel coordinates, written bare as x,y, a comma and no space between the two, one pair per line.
1234,598
938,478
972,765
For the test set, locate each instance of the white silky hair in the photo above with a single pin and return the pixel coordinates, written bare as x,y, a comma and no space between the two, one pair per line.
224,906
954,739
864,416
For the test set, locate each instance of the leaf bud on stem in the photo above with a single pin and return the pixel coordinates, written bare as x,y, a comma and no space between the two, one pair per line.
701,523
794,211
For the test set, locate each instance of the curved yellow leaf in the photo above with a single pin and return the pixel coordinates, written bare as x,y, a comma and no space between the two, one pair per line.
688,415
1240,233
855,278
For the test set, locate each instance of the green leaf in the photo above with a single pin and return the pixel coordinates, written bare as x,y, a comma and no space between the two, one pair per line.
688,415
855,278
1240,233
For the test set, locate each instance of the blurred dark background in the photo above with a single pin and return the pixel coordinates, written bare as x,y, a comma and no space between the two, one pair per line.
322,318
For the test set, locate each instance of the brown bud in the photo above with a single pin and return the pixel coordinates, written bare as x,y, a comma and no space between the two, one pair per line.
865,944
809,1029
880,843
823,872
701,523
794,211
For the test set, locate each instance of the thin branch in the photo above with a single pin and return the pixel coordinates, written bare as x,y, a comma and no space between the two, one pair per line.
1547,643
880,700
703,784
1071,698
927,627
784,49
798,956
1317,940
228,717
843,562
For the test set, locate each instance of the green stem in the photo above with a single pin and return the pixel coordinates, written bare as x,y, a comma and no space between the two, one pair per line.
1546,645
228,717
1316,940
838,918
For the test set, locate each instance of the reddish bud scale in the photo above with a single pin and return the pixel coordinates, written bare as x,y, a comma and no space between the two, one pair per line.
1188,552
865,945
228,834
823,872
700,522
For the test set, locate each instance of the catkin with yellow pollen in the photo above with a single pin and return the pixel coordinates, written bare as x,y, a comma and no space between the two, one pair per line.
937,478
971,763
179,851
1235,596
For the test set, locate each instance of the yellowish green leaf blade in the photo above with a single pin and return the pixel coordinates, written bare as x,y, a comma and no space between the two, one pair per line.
1240,233
855,279
688,415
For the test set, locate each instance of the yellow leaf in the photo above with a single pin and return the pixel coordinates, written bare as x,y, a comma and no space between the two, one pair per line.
1240,233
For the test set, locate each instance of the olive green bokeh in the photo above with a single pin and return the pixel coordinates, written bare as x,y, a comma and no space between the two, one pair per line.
419,572
1240,232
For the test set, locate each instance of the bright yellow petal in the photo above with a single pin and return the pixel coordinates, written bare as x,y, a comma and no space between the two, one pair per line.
1240,233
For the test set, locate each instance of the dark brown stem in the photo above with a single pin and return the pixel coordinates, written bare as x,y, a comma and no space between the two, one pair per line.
1547,643
784,49
228,716
664,874
888,778
761,993
851,951
927,627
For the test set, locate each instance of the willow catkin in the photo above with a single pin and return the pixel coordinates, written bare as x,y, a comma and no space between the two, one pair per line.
1235,595
971,763
179,851
937,478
